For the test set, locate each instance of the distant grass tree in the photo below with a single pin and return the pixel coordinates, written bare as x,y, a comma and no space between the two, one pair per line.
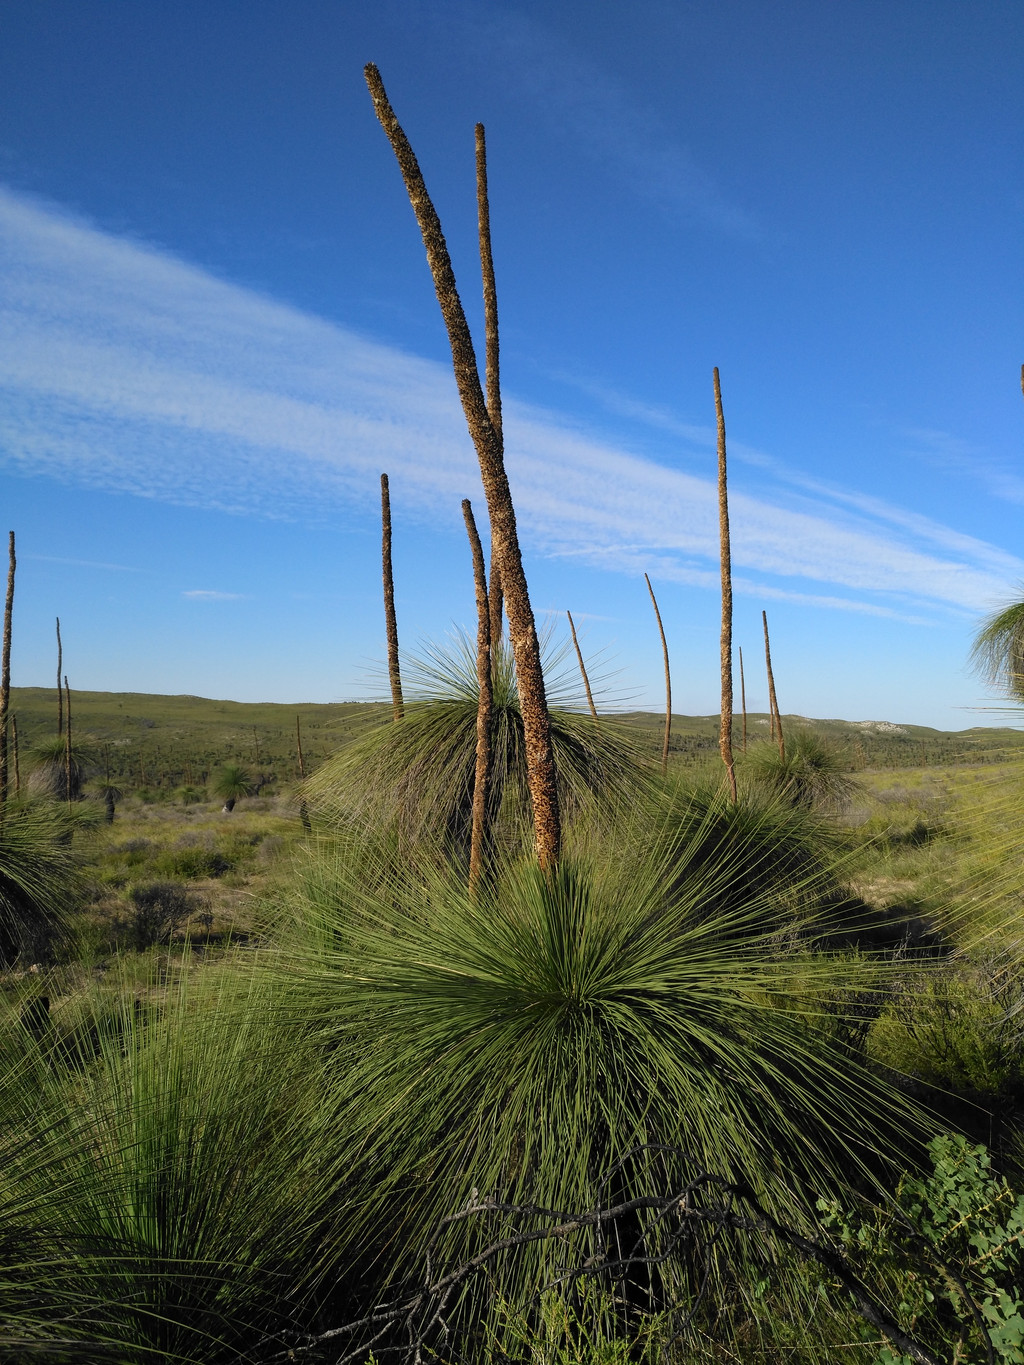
811,773
998,652
231,784
60,768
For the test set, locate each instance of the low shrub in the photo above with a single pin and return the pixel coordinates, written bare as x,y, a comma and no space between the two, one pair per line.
159,909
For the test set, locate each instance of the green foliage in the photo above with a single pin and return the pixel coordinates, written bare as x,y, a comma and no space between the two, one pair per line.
168,1197
998,652
231,784
959,1028
812,773
40,886
419,774
56,773
947,1251
523,1042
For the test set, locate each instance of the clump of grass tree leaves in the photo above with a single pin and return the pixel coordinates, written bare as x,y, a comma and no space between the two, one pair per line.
522,1040
418,776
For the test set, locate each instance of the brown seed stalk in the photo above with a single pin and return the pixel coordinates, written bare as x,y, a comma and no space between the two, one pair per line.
668,682
487,439
491,366
303,808
67,743
485,704
60,694
773,701
743,700
725,725
5,669
17,765
583,667
390,621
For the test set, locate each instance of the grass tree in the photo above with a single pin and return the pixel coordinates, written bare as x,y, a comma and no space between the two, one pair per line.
40,885
418,778
60,767
810,773
998,652
231,784
526,1040
486,432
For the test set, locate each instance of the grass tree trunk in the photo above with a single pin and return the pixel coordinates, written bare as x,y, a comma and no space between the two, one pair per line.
773,700
5,668
485,705
487,439
496,603
725,725
390,620
60,671
668,682
583,667
743,700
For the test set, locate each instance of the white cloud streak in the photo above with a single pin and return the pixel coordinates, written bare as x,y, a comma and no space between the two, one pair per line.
211,595
127,369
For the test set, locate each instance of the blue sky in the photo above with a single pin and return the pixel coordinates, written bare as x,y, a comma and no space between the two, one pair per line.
217,328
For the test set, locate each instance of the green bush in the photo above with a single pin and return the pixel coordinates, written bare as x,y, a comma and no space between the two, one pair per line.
946,1254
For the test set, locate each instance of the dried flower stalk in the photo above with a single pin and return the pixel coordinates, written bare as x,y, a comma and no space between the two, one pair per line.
5,668
583,667
390,620
725,725
487,439
668,682
773,701
485,704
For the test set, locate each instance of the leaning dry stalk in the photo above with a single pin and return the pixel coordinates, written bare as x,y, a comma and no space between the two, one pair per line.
17,765
67,743
583,667
725,725
5,669
390,621
668,682
303,808
485,704
298,747
743,700
60,694
773,701
487,439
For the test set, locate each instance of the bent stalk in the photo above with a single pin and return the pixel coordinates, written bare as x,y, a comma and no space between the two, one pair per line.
487,440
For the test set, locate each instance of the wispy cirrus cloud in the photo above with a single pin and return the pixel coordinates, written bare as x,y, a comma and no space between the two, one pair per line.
127,369
212,595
